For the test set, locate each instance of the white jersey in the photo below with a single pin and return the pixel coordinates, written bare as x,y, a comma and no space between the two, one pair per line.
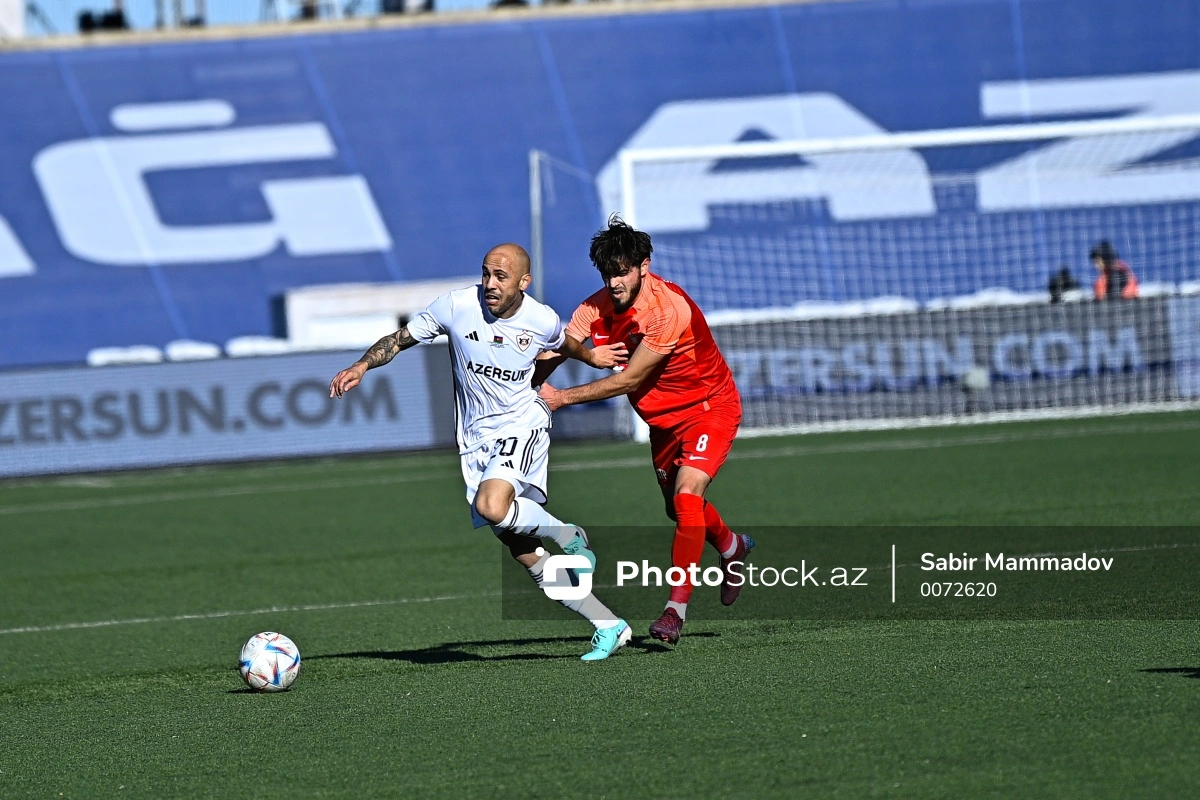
492,360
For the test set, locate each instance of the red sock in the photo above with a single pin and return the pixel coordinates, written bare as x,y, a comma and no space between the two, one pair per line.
689,540
715,530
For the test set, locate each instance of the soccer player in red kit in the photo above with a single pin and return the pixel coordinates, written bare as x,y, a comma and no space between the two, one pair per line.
678,382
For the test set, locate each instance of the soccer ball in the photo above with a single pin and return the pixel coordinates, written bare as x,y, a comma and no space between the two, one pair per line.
976,379
270,662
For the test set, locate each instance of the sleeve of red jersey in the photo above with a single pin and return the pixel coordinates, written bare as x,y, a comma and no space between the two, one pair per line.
580,326
667,325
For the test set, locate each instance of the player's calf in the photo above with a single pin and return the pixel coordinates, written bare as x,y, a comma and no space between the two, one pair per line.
497,503
527,518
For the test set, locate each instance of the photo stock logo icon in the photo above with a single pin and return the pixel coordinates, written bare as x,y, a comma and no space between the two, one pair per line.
565,577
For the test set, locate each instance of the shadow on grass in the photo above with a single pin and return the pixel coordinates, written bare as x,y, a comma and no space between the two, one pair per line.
457,652
1187,672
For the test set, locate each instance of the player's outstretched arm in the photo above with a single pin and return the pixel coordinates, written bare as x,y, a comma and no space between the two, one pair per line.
644,362
377,355
602,357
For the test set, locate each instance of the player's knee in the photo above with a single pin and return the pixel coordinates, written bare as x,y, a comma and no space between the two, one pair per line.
691,481
492,507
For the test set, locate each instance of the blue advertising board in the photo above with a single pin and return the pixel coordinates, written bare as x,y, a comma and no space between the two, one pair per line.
154,192
84,419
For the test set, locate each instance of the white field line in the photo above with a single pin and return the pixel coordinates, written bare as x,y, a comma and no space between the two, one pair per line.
230,491
109,623
982,418
786,451
428,460
886,445
246,471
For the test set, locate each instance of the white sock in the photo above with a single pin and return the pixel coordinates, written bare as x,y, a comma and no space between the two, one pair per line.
737,539
589,607
530,519
595,612
680,608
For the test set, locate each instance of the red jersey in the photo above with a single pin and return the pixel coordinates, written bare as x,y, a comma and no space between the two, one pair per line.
693,377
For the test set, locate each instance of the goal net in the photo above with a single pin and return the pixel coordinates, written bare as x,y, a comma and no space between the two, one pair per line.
892,279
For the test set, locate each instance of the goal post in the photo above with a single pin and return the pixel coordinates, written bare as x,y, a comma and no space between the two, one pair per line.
905,278
1184,126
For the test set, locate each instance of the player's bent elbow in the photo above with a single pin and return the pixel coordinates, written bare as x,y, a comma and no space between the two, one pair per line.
630,383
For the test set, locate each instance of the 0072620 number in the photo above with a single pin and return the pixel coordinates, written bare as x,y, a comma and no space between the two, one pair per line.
955,589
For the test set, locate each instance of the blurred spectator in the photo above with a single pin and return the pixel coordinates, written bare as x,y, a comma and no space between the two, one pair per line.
405,6
196,20
113,20
1061,282
1116,279
272,10
316,9
509,3
198,14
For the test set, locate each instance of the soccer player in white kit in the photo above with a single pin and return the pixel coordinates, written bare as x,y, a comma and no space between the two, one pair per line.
496,334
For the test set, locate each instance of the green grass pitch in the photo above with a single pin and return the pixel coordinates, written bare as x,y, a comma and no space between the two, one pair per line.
124,600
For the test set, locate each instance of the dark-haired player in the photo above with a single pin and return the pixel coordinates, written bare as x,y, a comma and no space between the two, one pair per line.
678,382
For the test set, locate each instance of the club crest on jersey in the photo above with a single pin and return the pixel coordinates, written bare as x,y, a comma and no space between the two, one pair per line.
524,339
497,341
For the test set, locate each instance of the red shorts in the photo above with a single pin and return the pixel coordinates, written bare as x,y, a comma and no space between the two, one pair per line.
702,442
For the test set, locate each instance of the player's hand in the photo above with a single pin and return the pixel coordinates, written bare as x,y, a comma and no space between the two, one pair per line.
347,379
607,356
552,396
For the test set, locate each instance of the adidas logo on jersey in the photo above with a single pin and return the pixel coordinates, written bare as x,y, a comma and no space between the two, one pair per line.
473,336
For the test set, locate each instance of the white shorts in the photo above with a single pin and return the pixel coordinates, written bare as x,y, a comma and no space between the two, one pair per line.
519,456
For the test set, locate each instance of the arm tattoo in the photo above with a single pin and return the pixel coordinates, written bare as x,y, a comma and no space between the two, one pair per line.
386,348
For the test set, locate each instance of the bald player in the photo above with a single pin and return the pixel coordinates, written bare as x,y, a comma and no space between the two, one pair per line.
496,335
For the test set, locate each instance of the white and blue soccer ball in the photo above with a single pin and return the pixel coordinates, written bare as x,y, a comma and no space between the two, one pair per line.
270,662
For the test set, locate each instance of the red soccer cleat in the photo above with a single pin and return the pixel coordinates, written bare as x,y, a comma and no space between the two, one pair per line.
667,627
729,591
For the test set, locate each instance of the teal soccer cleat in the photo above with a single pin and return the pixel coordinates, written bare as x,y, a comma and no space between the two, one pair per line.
606,641
580,546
